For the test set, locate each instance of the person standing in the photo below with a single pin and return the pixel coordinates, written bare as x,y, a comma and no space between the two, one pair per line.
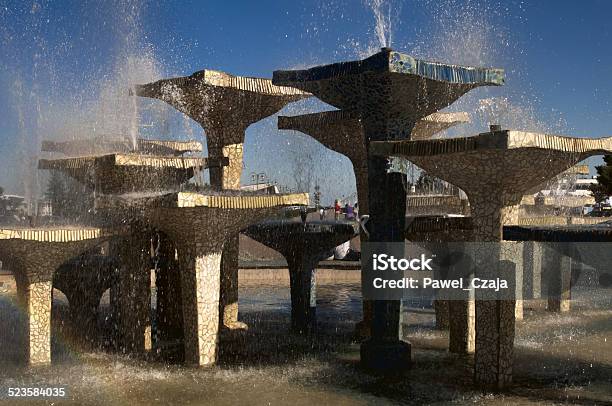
337,210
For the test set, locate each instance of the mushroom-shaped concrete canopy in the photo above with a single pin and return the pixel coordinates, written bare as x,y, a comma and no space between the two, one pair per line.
390,87
496,168
293,238
303,245
34,254
343,132
124,173
218,100
101,145
199,225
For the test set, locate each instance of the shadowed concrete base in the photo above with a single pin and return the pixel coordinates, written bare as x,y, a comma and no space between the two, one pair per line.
303,245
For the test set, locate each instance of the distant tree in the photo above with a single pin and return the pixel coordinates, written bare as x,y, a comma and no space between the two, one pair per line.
56,193
69,199
603,188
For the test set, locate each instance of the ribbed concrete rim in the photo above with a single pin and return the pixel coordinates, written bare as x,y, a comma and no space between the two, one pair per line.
389,61
58,235
221,199
222,79
178,146
138,160
338,116
499,140
311,227
183,199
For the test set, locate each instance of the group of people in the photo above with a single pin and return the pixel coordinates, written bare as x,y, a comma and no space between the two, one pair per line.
349,211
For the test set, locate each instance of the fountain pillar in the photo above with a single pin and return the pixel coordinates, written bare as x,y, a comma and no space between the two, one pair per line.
33,254
532,269
200,266
38,298
387,207
168,282
303,245
559,276
134,298
228,142
302,279
495,317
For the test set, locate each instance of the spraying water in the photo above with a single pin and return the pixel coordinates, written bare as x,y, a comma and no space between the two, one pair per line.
385,12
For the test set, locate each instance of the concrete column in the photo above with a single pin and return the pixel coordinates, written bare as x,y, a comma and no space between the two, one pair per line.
229,285
532,271
514,252
84,315
228,177
134,295
387,204
363,328
302,279
559,275
462,326
38,299
441,308
169,299
495,315
200,286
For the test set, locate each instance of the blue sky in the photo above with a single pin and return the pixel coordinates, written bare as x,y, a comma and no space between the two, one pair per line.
56,56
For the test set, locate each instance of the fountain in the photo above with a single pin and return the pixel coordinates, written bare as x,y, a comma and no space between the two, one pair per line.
343,132
517,161
126,173
83,280
390,92
129,181
224,105
303,244
559,248
200,224
34,254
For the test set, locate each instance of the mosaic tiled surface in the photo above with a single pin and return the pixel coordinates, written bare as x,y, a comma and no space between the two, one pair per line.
495,170
126,173
97,146
33,255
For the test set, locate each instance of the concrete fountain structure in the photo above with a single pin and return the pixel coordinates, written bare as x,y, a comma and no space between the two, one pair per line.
303,244
135,172
343,132
224,105
97,146
390,93
495,170
126,173
34,255
200,225
135,190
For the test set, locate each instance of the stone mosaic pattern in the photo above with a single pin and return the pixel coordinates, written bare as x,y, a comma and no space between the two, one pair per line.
224,105
495,170
199,225
385,93
97,146
33,255
125,173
